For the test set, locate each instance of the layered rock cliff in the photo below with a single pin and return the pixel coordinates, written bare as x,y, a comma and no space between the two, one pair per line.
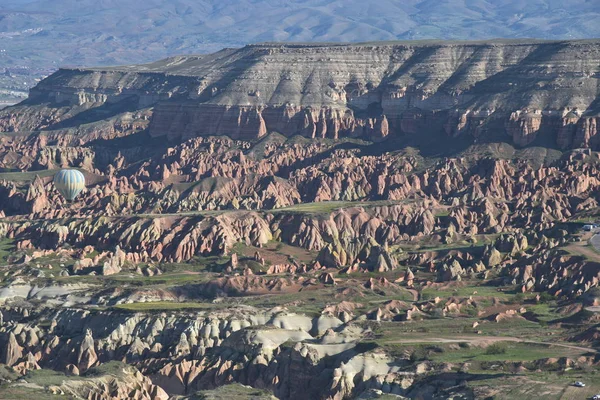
526,88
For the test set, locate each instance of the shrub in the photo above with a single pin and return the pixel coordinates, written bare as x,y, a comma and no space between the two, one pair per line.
471,312
546,297
495,348
419,354
519,298
435,349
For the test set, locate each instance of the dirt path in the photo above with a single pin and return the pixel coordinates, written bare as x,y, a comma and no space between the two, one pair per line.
581,248
483,339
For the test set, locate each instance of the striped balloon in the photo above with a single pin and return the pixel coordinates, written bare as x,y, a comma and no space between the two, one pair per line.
69,183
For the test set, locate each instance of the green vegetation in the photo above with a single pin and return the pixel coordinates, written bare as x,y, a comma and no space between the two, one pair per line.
495,349
174,274
157,280
163,306
468,290
546,297
233,392
39,380
26,176
326,207
45,377
273,252
133,280
114,368
21,393
460,352
6,248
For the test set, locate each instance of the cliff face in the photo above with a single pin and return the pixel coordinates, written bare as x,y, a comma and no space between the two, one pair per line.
367,90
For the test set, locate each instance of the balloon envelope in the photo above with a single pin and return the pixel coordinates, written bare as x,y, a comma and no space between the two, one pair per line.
69,182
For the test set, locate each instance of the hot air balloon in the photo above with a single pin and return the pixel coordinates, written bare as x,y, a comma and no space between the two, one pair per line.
69,183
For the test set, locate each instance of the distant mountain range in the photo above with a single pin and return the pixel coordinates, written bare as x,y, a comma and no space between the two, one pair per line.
37,36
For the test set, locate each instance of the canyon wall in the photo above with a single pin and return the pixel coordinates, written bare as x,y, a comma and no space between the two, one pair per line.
528,89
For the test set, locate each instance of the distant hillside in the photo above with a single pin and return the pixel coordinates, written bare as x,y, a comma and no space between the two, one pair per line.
36,36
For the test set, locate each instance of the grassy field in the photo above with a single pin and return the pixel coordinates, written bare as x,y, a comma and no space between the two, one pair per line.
233,392
429,330
174,274
541,385
26,176
23,393
46,377
312,302
323,207
275,253
163,306
128,279
466,291
507,351
164,280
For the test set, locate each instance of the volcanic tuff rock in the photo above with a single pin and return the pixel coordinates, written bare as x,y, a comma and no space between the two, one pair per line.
533,88
531,198
124,383
171,349
185,231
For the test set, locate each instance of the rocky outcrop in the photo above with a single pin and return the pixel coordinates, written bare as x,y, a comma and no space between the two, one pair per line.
12,352
452,201
125,382
369,91
87,357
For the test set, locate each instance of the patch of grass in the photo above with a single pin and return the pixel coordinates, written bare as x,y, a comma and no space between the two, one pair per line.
495,349
27,176
114,368
442,213
157,280
323,207
466,291
14,392
544,312
326,207
233,392
503,351
46,377
7,246
519,298
163,306
546,297
173,274
518,327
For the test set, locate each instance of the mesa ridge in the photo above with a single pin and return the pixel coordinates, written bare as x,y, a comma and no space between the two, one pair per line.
533,88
